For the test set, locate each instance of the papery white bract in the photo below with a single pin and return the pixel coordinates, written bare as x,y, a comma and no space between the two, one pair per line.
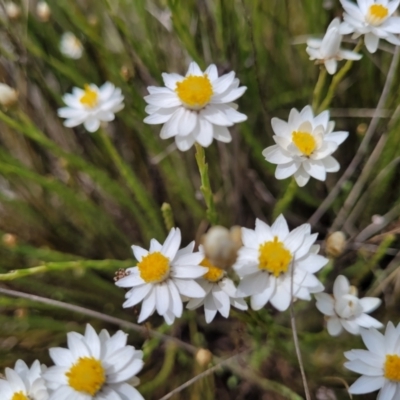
345,310
270,256
220,293
162,276
372,18
195,108
304,146
328,49
71,46
379,365
94,367
23,382
91,106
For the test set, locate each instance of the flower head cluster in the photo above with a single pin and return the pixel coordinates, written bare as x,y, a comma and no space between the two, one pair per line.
220,292
372,18
273,261
93,367
91,105
379,365
71,46
328,49
23,383
345,310
195,108
162,276
304,146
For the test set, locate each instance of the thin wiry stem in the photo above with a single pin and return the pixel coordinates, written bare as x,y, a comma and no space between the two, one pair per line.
363,146
104,317
201,376
296,339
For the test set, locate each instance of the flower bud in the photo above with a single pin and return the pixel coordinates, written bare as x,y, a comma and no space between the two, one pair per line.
9,240
13,10
43,11
203,357
8,95
220,246
335,244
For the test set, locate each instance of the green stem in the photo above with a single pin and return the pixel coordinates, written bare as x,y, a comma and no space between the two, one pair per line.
284,202
62,266
134,185
165,372
318,88
168,216
336,80
205,187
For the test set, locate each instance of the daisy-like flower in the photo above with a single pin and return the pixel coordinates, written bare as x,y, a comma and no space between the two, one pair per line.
162,276
195,108
220,293
71,46
304,146
91,105
372,18
94,367
328,49
270,256
345,310
379,365
24,383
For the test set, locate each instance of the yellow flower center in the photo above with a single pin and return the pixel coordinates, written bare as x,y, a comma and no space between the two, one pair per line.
376,14
19,396
305,142
214,274
274,257
87,375
154,267
90,97
195,91
392,367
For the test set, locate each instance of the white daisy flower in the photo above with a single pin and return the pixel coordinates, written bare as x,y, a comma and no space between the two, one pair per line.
71,46
94,367
304,146
379,365
195,108
220,293
345,310
372,18
267,259
91,105
163,274
328,49
24,383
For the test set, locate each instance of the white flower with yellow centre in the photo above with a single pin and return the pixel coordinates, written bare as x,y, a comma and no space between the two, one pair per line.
379,365
345,310
372,18
24,383
162,276
270,256
91,106
220,293
94,367
195,108
304,146
328,49
71,46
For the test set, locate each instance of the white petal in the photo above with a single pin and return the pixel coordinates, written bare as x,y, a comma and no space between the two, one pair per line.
334,326
172,243
211,72
315,168
184,143
366,384
370,304
148,306
331,164
252,284
92,125
170,80
222,83
204,132
194,69
371,42
215,116
283,171
222,134
280,299
259,300
301,177
325,304
275,155
187,122
280,228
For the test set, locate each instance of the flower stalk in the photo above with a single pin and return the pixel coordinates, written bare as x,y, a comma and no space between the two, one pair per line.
205,187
